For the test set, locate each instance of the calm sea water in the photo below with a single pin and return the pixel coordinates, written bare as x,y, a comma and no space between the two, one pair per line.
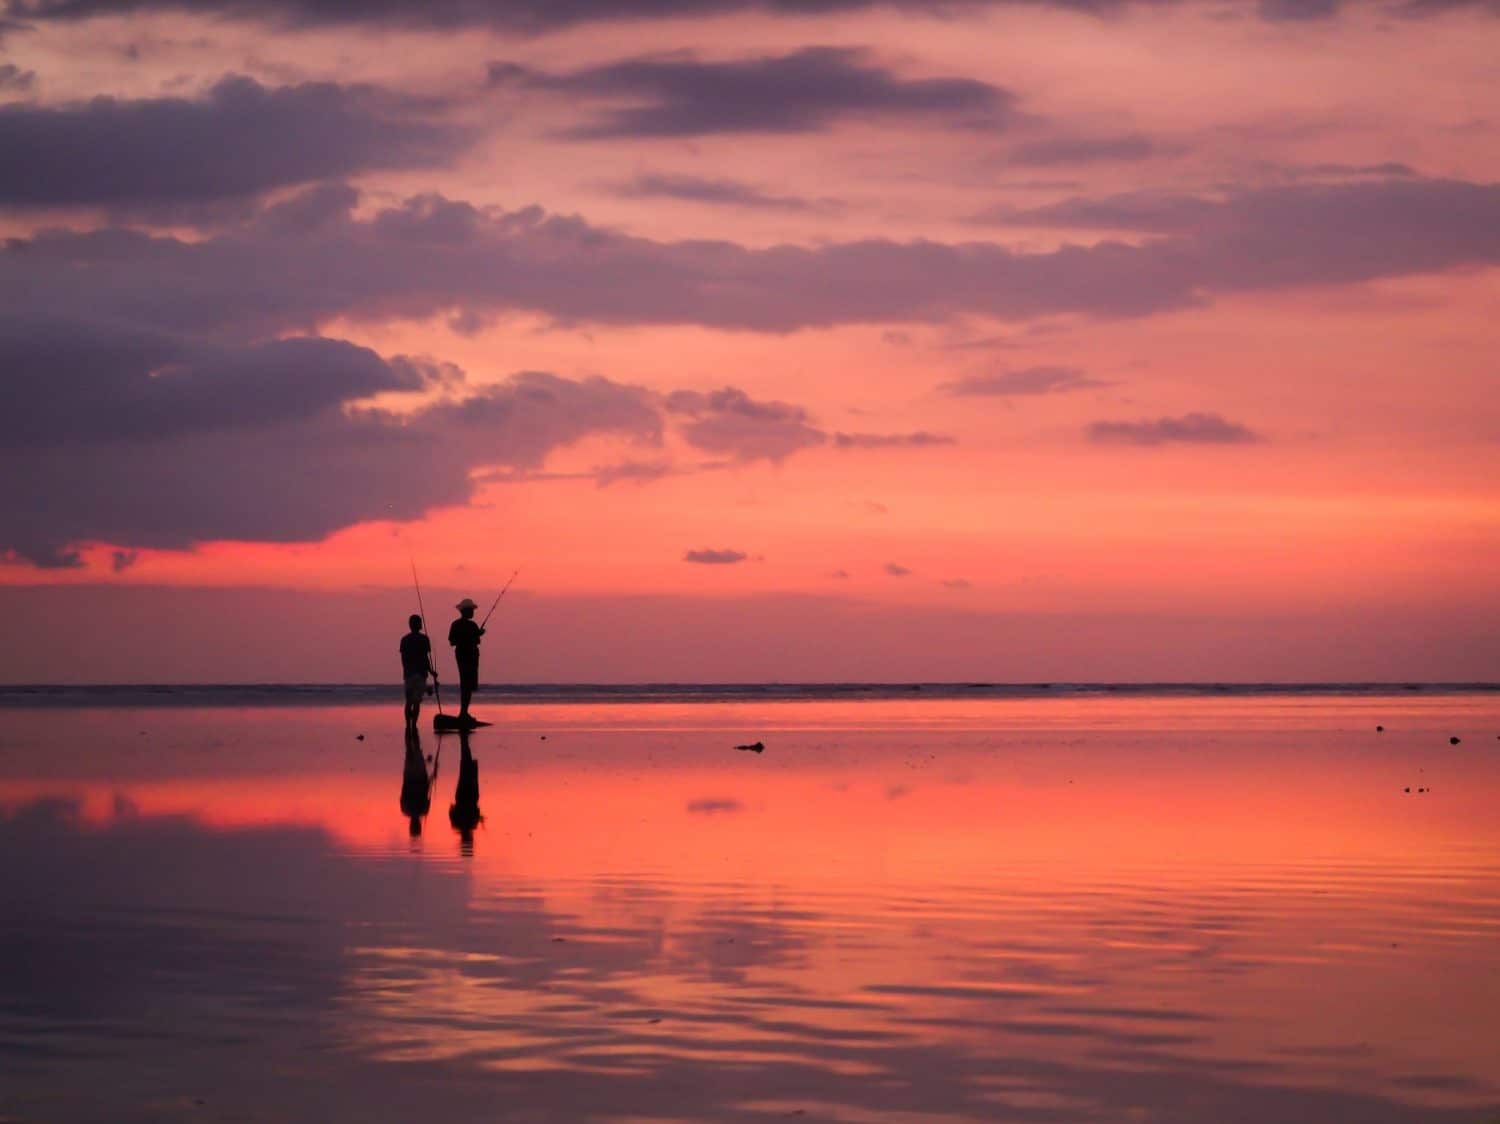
1042,904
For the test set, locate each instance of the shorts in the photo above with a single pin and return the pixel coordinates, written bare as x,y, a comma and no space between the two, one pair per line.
416,687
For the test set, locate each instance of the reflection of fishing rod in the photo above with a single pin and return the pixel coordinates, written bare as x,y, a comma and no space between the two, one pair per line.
496,601
431,665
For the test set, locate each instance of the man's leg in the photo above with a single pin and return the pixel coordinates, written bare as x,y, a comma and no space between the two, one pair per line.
468,677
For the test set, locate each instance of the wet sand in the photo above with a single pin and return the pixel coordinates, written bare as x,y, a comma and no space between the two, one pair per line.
1141,909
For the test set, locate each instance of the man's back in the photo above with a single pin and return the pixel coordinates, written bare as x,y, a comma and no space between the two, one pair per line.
463,634
415,653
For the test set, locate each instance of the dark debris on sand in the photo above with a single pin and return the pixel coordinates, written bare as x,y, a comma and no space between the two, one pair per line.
753,747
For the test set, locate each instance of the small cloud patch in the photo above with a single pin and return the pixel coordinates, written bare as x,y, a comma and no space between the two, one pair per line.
958,583
1189,429
714,806
641,472
915,440
715,557
1029,381
896,570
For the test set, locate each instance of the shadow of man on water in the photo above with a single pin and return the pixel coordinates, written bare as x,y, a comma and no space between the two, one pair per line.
416,782
464,812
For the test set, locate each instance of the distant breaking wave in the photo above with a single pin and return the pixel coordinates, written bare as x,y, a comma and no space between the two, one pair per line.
322,694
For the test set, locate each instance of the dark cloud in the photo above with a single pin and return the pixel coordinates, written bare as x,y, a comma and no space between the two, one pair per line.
1027,382
719,192
121,560
537,16
731,423
83,383
711,557
1194,429
917,440
12,77
304,262
266,442
683,96
1438,7
1299,9
896,571
240,139
1153,211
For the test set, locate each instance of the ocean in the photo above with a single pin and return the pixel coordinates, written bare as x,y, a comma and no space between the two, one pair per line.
915,902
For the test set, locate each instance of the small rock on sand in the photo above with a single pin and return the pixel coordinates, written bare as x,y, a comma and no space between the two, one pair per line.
359,737
1380,729
1453,740
753,747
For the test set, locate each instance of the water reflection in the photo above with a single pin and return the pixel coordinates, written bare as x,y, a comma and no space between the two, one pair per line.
417,782
1071,934
464,812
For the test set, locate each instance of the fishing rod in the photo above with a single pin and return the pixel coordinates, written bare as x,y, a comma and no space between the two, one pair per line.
496,601
437,692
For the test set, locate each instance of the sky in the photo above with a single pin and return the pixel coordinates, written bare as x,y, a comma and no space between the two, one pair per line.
768,339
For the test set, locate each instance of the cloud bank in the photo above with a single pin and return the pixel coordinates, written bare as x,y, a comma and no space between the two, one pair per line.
240,139
539,16
146,441
309,259
805,90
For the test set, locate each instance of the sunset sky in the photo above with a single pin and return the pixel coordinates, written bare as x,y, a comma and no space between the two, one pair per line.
799,340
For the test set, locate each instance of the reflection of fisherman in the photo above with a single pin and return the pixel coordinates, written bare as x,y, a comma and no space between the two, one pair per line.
464,812
464,635
416,666
416,783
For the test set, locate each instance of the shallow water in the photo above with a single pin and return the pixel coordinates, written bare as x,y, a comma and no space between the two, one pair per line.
1148,908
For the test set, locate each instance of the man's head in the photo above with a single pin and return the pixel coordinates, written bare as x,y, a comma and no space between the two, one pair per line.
414,622
466,607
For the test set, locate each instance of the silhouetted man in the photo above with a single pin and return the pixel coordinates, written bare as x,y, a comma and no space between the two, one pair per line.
464,635
416,666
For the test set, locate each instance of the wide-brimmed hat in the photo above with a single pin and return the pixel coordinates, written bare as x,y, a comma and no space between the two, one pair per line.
466,603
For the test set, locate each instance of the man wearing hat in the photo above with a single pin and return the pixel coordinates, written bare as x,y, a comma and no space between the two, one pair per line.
464,635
